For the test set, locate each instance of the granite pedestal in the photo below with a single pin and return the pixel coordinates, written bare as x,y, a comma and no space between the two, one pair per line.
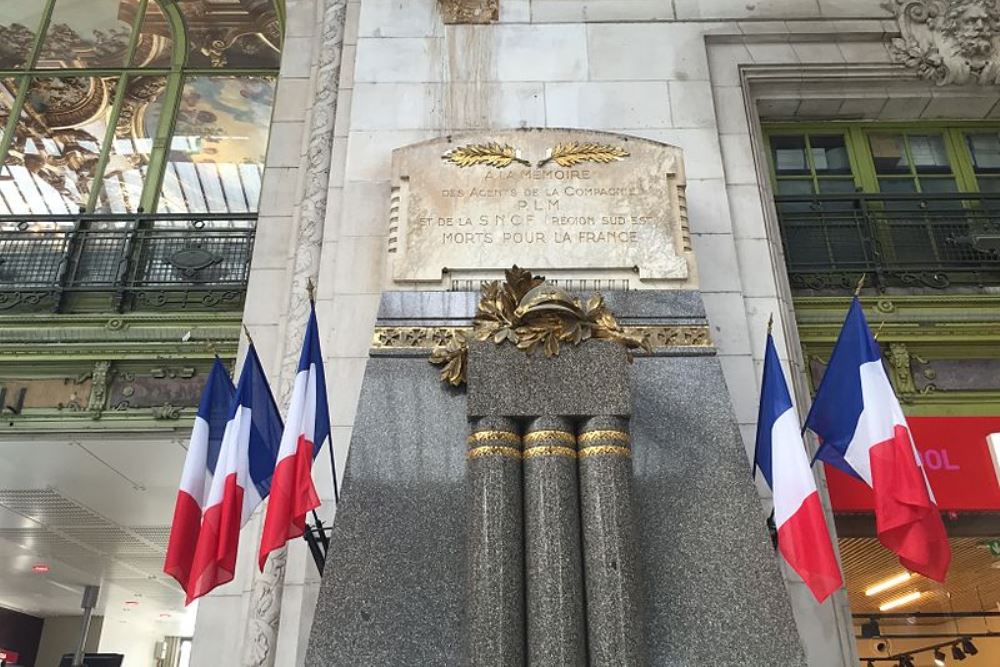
395,586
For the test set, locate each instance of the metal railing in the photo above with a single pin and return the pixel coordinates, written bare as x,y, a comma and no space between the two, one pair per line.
116,263
907,240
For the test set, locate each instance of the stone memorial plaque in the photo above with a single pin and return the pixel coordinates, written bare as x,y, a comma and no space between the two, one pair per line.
569,203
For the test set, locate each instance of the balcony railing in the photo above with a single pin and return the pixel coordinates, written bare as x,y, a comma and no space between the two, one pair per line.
911,240
102,263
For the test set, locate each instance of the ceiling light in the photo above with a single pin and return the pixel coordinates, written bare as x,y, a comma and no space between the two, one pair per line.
40,568
968,647
900,601
886,584
957,653
938,657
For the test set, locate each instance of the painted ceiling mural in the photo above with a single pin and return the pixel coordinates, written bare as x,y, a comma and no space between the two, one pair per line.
87,141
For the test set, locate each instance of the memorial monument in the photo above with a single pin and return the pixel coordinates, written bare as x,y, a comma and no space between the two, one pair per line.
568,485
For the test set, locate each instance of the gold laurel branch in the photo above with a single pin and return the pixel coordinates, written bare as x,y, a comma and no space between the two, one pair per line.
574,153
491,154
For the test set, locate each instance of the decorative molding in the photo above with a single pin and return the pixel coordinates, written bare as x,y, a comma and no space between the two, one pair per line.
469,11
261,637
948,41
427,338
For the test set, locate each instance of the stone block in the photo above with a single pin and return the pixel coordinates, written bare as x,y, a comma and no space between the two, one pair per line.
413,59
708,206
738,159
590,379
691,104
728,322
607,104
655,51
392,18
540,52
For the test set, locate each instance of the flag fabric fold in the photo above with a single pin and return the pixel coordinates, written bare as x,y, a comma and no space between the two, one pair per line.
307,428
196,479
242,478
863,432
780,456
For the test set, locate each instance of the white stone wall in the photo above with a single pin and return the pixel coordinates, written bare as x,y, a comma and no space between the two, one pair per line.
677,71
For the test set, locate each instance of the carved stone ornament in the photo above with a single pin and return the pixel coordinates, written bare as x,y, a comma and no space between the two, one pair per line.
469,11
948,41
530,313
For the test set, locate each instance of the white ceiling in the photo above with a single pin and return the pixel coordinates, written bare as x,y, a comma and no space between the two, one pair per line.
96,510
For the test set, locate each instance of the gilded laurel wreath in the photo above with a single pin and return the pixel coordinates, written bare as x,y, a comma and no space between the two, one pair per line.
574,153
528,312
491,154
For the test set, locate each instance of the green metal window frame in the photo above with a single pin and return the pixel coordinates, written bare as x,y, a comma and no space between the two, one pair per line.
859,151
176,75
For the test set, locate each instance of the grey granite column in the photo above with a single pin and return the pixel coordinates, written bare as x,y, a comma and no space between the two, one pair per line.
556,630
610,553
496,554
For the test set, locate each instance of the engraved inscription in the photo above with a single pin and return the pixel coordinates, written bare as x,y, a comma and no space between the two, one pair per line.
550,199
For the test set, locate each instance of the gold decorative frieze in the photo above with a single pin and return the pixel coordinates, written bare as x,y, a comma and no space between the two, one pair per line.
605,450
549,450
493,436
469,11
479,452
547,436
419,338
591,436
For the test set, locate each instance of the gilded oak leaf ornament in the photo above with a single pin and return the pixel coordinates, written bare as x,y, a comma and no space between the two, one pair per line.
529,313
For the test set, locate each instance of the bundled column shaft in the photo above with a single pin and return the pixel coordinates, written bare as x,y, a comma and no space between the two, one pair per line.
556,630
496,568
610,554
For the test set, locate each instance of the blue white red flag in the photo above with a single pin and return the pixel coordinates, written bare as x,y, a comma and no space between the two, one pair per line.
242,478
196,480
780,455
864,433
307,429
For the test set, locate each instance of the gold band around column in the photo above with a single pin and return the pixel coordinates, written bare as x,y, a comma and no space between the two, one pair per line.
549,435
549,450
605,450
494,436
599,436
479,452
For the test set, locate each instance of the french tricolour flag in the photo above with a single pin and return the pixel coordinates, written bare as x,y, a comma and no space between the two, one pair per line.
307,428
780,455
196,480
863,432
242,478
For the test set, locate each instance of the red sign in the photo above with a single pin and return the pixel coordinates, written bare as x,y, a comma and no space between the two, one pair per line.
956,456
8,656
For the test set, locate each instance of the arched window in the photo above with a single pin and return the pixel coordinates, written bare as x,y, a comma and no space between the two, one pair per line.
121,106
132,143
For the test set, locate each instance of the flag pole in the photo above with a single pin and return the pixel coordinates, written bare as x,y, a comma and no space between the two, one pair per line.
311,290
246,332
861,284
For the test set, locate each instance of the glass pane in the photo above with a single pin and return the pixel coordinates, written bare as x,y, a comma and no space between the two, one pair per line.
8,91
88,33
789,155
232,34
985,149
928,153
128,155
829,154
18,26
897,185
889,154
56,144
989,184
938,185
155,46
217,151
